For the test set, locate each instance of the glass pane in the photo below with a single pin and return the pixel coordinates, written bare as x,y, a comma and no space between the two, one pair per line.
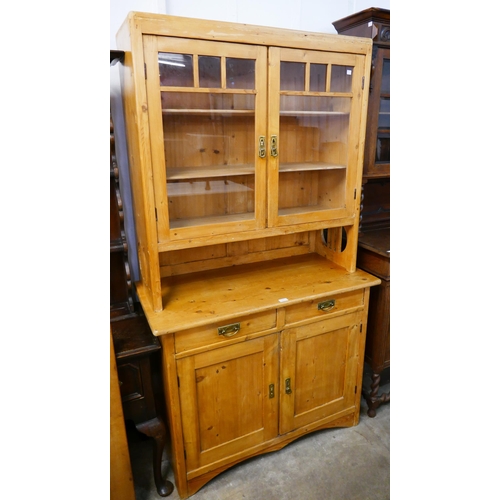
206,103
293,104
384,115
209,71
240,73
292,76
314,132
176,70
386,76
383,149
209,145
341,79
317,82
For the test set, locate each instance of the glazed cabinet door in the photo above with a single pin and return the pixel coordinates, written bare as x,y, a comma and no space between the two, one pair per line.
319,371
377,160
207,117
315,104
229,401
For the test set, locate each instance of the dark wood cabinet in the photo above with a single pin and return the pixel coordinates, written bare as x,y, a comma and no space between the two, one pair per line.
374,23
374,257
135,348
374,229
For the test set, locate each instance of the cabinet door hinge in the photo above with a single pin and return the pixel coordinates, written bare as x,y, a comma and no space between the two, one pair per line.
178,382
355,192
156,215
146,71
362,83
355,389
361,328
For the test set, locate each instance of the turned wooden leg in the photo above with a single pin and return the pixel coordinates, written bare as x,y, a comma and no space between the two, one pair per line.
373,399
155,428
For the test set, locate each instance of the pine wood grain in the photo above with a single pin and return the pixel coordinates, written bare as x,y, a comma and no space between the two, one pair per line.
202,298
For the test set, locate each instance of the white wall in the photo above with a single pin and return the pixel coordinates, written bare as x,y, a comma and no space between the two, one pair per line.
307,15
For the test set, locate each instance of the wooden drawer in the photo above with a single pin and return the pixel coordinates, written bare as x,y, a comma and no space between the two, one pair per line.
218,333
311,308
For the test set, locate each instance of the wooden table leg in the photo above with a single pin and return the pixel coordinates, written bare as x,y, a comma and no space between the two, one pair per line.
155,428
373,399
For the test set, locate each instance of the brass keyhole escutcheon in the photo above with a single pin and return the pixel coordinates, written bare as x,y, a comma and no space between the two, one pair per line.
274,145
262,146
271,391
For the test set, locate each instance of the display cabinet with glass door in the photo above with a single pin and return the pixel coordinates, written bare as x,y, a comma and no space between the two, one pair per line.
245,146
374,23
374,237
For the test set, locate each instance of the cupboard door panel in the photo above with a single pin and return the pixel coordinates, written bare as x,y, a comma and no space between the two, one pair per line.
225,401
319,368
207,112
314,116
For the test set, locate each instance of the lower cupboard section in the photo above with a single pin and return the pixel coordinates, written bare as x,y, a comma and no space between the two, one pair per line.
256,396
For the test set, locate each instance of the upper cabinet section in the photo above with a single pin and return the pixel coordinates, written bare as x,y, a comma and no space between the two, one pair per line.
242,129
375,24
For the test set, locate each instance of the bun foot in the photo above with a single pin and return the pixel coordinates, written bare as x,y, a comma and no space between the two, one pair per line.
165,489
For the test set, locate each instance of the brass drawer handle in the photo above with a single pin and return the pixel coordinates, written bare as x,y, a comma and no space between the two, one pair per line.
327,305
229,330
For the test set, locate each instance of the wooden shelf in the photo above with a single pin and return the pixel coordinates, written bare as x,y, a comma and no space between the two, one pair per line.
213,171
249,112
230,112
217,171
313,113
212,219
205,187
309,166
303,210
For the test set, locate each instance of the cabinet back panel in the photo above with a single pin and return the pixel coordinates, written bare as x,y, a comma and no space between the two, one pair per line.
211,197
312,189
297,143
298,189
190,260
199,140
